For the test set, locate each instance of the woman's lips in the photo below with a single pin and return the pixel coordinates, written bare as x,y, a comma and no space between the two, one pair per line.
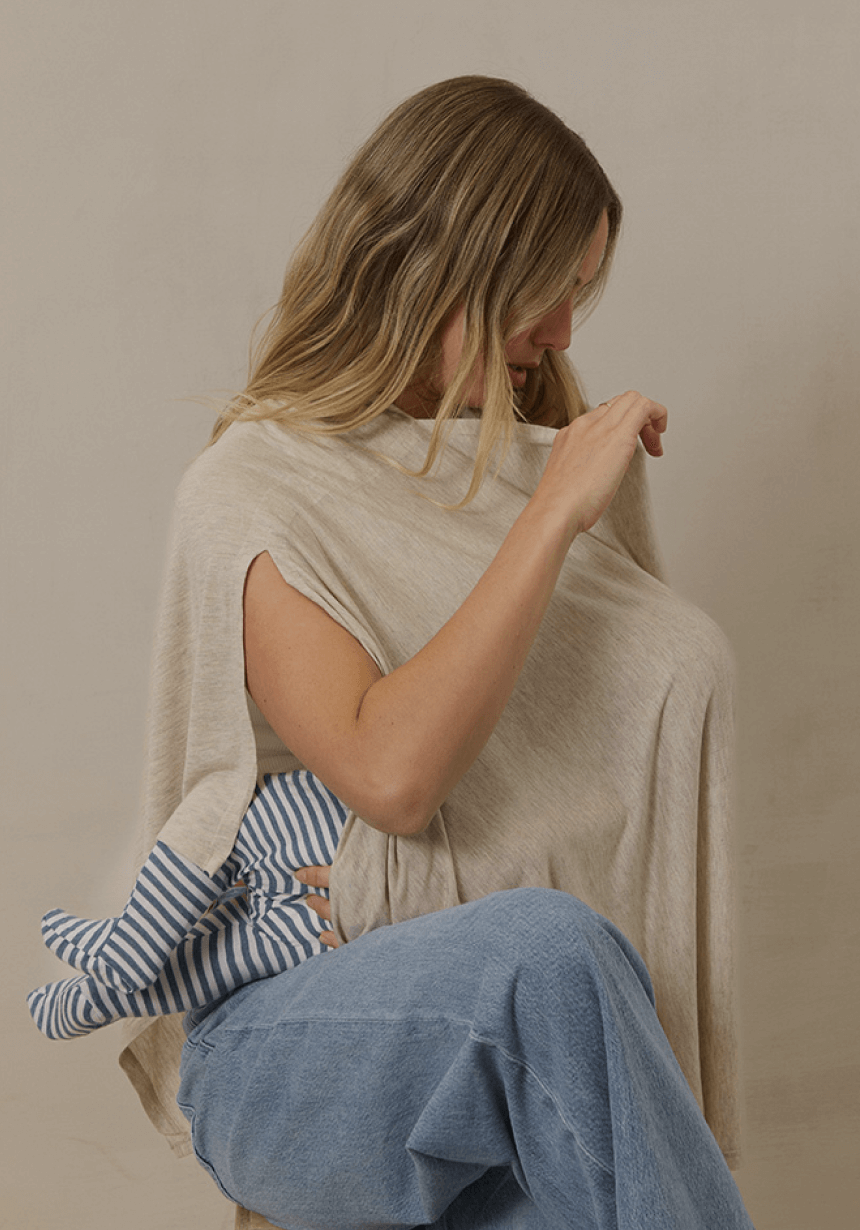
518,376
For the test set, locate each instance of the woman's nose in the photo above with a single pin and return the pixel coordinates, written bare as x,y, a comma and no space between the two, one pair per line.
553,331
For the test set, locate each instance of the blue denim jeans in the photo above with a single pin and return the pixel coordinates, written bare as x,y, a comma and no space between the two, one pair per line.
498,1065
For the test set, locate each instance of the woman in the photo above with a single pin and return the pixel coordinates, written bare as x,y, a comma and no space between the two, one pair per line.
434,573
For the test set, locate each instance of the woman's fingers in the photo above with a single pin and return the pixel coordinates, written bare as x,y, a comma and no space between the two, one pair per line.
649,417
314,877
637,405
322,906
650,437
318,877
653,428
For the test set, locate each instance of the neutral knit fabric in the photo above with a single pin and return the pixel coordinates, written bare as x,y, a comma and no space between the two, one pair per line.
607,775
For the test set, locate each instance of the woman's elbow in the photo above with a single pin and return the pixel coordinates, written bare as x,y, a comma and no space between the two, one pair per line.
401,808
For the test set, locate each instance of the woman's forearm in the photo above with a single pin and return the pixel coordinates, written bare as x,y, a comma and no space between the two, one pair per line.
419,729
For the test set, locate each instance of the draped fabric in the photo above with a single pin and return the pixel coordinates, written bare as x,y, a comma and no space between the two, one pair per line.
607,775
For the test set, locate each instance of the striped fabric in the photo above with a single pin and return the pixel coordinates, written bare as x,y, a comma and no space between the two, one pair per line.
128,952
293,821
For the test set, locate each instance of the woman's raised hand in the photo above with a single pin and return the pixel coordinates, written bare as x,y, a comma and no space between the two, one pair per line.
590,457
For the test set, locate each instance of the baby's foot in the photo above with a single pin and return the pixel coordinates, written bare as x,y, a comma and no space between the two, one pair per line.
66,1009
79,942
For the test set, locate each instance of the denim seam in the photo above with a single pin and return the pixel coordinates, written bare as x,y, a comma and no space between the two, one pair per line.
527,1068
448,1020
345,1020
191,1115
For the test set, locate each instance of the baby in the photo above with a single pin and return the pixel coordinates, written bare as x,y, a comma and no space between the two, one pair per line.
165,952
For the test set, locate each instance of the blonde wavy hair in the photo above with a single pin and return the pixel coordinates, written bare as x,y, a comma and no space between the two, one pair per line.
470,194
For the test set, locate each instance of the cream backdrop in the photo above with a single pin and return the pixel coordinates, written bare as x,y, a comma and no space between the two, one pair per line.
160,161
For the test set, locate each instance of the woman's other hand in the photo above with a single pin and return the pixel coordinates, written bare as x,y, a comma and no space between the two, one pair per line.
318,877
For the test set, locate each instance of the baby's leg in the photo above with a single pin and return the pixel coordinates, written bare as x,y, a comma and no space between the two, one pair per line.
128,952
223,951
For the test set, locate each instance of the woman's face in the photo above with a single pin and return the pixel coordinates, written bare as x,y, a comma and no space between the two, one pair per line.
524,350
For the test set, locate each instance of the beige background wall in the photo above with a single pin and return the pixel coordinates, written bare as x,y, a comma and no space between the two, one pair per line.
161,160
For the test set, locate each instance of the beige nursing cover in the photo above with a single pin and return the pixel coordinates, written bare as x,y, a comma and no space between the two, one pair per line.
607,775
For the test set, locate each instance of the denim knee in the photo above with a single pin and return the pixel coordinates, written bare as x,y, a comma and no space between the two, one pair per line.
530,915
551,932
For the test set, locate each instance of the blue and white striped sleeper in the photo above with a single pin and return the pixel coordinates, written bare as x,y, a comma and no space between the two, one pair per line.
165,954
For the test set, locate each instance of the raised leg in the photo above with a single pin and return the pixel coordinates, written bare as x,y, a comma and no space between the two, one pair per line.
496,1065
223,951
128,952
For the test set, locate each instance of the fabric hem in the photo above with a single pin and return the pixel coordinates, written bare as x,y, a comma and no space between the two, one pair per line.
177,1135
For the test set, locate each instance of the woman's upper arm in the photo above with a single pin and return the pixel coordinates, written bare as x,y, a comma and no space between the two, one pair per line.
308,676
